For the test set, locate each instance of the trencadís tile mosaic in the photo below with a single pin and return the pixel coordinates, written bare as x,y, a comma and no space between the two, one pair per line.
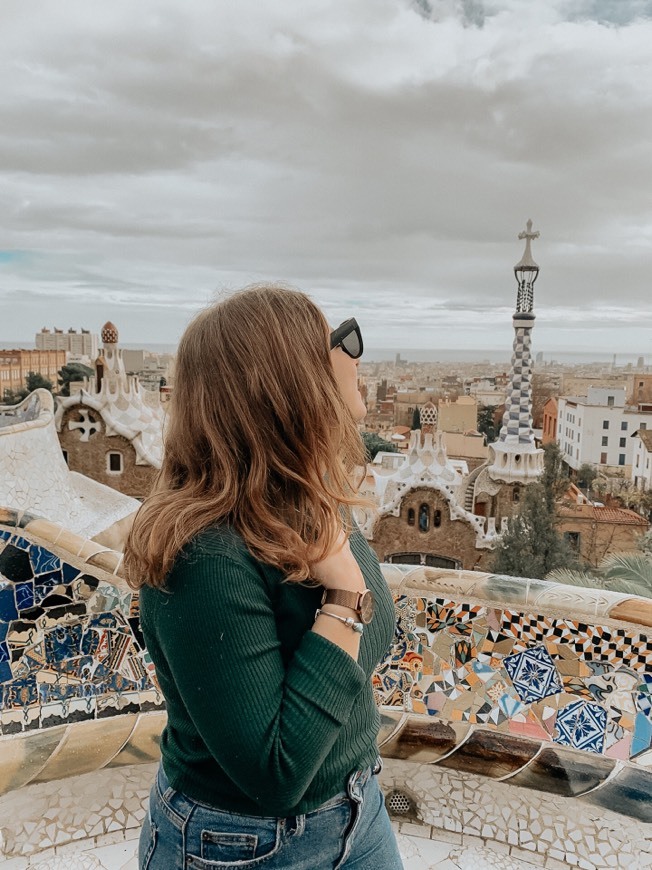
588,687
70,643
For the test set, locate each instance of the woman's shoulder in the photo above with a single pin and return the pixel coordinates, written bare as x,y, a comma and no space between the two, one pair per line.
217,540
219,545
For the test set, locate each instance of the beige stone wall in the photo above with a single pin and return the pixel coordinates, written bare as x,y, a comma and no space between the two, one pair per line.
459,416
15,365
549,421
506,506
453,539
89,457
465,447
640,389
600,539
575,385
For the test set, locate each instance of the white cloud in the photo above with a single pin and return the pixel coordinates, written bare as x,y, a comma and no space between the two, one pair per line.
153,154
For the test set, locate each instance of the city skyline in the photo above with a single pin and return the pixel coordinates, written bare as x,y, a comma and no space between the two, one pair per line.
385,164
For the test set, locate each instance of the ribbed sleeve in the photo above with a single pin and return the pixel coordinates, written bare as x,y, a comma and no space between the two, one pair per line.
268,727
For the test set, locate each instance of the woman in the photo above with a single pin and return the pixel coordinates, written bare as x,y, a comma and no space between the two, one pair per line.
263,608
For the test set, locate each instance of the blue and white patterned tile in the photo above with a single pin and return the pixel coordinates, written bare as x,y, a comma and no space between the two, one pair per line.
533,674
582,725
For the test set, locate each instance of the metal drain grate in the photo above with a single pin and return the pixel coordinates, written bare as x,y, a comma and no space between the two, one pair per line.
400,804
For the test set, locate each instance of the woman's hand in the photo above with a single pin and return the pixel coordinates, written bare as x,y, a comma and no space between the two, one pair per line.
339,569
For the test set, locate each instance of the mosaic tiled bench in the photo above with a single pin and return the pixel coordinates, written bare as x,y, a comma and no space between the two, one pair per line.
520,681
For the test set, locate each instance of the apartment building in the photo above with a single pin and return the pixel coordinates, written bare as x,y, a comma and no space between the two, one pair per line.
596,429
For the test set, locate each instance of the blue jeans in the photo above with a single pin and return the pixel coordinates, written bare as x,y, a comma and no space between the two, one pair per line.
351,831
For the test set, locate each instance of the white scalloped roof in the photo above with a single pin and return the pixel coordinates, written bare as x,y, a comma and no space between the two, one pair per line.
34,476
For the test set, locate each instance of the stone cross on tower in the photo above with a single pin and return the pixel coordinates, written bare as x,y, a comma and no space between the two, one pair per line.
515,456
526,271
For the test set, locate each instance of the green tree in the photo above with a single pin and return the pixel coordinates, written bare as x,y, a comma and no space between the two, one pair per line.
33,381
374,443
531,546
416,419
72,372
645,507
554,479
36,381
586,475
486,424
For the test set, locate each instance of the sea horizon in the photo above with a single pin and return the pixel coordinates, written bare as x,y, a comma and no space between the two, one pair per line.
433,355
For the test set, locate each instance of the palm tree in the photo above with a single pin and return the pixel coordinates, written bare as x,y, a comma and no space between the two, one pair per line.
629,572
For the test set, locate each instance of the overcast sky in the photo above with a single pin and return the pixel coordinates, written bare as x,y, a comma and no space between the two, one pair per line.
382,155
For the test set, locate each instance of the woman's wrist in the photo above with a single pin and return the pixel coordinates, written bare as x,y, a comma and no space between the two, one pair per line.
340,610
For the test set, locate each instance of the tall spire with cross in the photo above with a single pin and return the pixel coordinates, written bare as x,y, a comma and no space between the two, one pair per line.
515,458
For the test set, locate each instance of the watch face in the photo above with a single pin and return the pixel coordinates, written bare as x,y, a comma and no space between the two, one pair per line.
366,606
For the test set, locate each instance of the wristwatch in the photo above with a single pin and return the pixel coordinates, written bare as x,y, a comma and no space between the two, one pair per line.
361,602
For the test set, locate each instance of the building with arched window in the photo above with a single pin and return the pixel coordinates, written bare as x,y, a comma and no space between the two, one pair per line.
432,507
112,429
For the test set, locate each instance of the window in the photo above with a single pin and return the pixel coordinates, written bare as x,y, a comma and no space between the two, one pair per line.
610,401
410,517
623,442
573,539
605,424
424,518
643,426
605,440
603,459
516,494
436,519
623,426
440,562
405,558
114,462
621,459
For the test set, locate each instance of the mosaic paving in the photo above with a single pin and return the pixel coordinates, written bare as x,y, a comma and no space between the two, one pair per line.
584,686
70,643
103,806
532,826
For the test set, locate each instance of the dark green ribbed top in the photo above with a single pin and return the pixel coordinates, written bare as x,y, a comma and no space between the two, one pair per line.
265,717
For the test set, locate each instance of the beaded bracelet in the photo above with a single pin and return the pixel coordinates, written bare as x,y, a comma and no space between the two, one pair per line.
347,620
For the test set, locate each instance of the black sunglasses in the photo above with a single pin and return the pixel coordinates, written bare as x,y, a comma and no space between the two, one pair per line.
348,337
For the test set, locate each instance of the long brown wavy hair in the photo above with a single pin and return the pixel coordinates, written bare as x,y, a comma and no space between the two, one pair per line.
258,437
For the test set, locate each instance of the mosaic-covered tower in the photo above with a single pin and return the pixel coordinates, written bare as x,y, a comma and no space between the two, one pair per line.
514,458
114,377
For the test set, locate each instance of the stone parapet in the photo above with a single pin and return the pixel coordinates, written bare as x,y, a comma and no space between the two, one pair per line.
516,681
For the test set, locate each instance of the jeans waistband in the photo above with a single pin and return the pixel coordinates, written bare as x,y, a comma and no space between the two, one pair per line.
357,778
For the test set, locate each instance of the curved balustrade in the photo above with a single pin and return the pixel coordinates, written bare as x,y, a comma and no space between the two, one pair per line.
523,682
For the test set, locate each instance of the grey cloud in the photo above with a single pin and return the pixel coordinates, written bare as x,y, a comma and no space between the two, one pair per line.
163,153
